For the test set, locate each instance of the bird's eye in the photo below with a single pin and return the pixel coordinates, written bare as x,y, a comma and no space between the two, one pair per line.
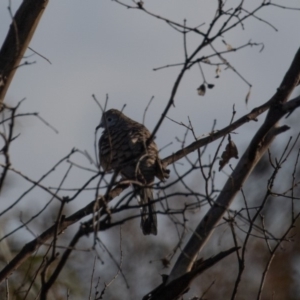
109,119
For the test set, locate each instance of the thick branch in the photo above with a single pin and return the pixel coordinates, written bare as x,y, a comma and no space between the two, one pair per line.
17,40
180,286
257,147
207,140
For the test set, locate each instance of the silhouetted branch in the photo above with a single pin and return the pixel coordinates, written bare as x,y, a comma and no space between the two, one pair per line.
17,40
257,147
172,290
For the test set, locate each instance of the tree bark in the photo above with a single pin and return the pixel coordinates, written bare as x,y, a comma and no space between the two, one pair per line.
17,40
257,147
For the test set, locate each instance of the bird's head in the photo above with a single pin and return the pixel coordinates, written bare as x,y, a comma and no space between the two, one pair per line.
110,118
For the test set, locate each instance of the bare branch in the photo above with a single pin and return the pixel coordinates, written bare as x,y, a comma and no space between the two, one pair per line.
257,147
25,22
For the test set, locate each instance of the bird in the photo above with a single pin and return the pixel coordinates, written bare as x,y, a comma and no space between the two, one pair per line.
125,147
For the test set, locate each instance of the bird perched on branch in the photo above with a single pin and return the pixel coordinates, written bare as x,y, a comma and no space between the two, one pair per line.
125,147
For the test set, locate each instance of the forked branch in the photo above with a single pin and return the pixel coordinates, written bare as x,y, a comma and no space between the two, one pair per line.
257,147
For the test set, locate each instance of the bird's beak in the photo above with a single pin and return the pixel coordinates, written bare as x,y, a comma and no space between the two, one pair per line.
101,125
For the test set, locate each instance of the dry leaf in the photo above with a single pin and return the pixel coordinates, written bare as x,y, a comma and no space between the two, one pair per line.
228,46
140,4
165,262
201,90
248,96
218,71
230,152
206,60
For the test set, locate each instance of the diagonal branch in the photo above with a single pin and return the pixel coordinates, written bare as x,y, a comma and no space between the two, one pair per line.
257,147
17,40
214,136
179,286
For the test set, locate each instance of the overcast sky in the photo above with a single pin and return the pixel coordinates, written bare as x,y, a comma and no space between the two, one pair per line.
99,47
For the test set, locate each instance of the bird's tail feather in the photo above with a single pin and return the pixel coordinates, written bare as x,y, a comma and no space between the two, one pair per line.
148,213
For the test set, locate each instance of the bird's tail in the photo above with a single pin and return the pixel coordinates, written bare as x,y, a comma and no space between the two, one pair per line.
148,213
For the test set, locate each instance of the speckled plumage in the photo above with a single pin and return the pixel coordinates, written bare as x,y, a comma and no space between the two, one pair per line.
123,147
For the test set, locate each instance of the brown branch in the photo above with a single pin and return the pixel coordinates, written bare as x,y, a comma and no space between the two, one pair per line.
214,136
257,147
176,288
288,107
17,40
